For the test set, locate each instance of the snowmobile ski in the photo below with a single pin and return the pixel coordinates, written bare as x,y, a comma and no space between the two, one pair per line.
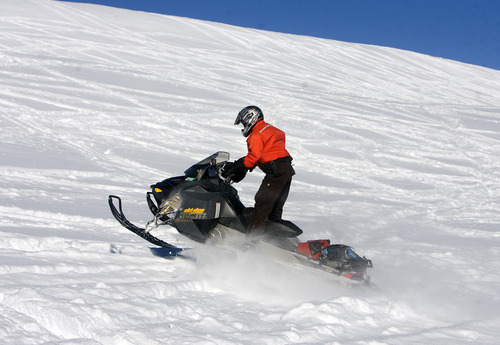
169,249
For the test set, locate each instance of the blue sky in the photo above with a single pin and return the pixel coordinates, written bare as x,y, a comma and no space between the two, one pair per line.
462,30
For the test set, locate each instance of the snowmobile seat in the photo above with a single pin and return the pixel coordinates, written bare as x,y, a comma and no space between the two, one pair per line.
282,228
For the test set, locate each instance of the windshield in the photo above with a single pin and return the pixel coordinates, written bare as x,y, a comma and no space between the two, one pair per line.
216,160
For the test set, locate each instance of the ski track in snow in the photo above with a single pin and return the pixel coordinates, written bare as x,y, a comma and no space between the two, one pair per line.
396,154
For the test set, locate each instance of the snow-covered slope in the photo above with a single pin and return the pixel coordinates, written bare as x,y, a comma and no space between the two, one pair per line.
396,153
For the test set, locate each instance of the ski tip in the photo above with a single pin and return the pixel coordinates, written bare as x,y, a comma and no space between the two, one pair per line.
166,252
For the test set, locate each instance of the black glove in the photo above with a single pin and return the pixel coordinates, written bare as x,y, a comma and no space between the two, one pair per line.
235,171
227,169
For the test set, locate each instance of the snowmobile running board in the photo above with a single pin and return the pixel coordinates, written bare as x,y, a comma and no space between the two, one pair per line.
166,249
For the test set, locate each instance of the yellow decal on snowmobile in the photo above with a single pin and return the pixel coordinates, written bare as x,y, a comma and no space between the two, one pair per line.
158,190
194,210
190,214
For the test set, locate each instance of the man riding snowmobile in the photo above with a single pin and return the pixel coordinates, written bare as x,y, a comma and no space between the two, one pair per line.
266,149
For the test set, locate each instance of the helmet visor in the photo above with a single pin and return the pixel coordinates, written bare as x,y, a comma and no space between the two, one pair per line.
238,119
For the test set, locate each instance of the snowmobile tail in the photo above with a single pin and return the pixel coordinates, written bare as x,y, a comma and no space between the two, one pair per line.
167,248
339,259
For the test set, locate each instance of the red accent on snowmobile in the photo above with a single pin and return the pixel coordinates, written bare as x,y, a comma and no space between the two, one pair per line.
312,248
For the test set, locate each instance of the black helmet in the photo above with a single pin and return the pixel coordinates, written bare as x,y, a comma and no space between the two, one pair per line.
248,116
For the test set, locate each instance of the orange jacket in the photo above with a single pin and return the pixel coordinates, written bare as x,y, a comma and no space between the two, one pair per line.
265,144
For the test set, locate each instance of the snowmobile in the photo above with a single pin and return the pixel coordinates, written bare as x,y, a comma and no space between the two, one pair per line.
205,207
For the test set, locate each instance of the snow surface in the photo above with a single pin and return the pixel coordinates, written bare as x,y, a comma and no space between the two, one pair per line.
397,154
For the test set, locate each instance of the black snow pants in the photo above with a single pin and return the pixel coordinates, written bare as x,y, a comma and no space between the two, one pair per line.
271,196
